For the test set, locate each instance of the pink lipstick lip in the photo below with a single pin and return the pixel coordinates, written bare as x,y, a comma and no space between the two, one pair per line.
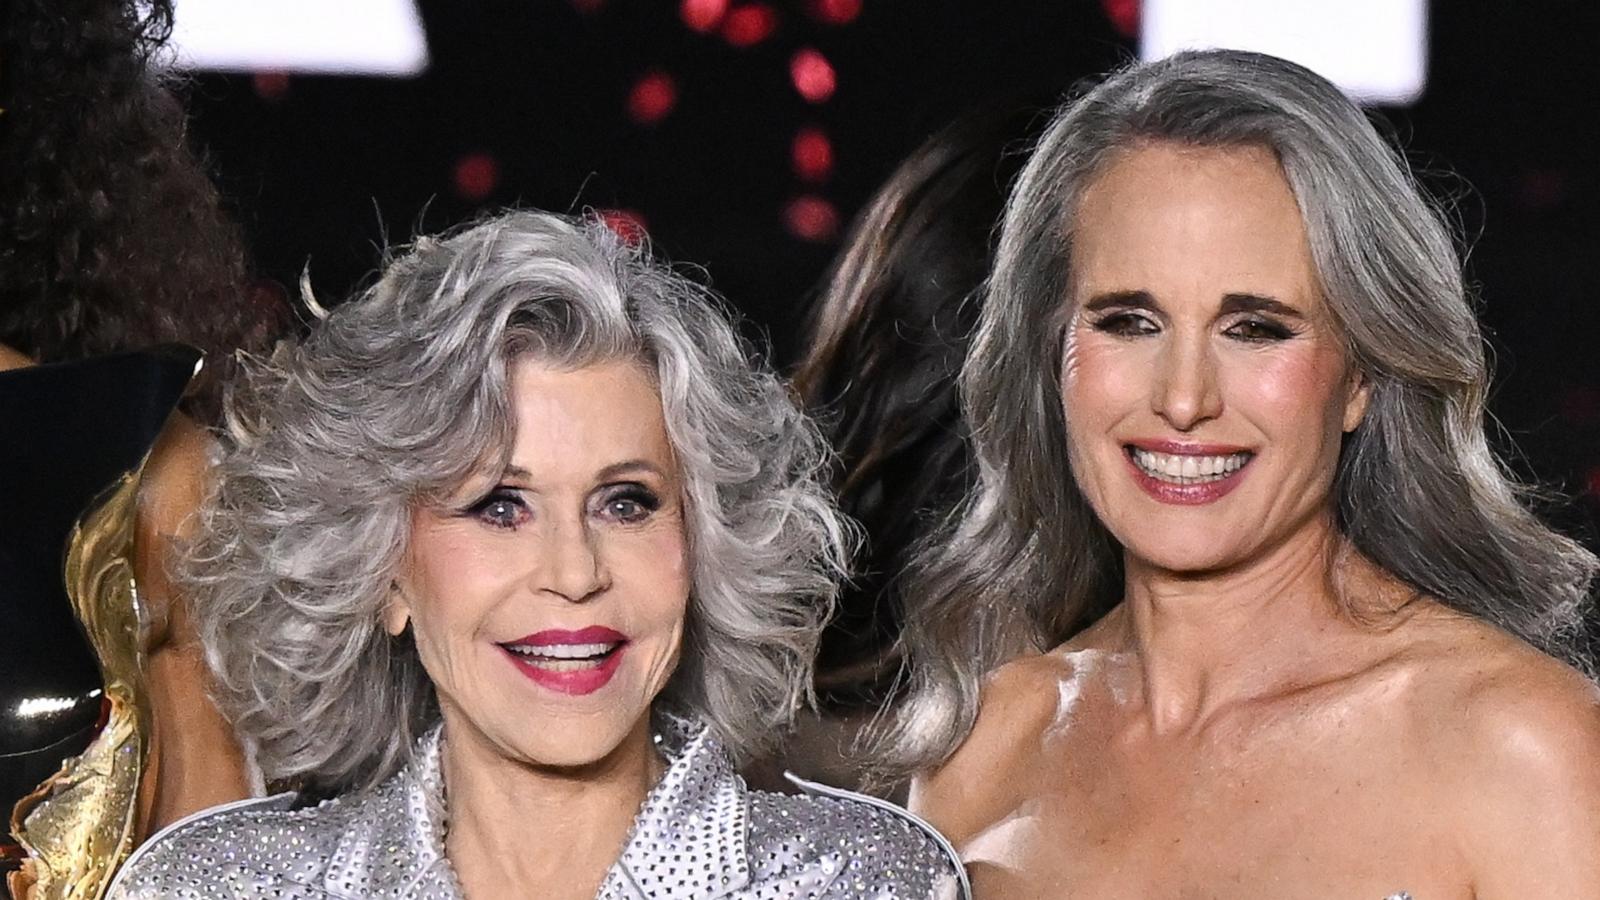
573,682
1186,494
576,682
550,637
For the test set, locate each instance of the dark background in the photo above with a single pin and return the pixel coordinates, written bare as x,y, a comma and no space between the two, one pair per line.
529,103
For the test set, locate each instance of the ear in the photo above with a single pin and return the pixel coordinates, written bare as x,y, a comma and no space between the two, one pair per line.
1359,394
397,613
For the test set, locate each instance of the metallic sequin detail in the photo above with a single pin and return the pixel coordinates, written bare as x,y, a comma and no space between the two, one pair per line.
701,833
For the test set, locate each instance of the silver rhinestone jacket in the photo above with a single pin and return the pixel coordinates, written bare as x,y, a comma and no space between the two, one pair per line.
701,833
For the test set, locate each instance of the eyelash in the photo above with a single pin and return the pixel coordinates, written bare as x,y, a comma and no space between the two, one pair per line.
1127,324
487,510
1266,331
640,496
481,510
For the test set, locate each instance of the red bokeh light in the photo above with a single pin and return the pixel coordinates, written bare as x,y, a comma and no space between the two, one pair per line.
1593,485
652,98
702,15
270,85
834,12
628,224
476,176
1124,16
587,6
812,75
749,24
812,154
811,218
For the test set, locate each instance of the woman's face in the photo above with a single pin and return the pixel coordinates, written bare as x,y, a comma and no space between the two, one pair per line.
548,601
1204,386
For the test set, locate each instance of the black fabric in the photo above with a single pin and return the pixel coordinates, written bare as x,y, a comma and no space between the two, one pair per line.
68,431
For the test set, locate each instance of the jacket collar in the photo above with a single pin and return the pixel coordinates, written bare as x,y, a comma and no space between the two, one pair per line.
688,840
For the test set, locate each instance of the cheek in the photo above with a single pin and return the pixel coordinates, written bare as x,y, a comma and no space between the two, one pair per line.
653,566
1101,381
1298,396
452,578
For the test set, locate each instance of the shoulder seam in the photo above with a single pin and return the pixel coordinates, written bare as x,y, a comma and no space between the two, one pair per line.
943,843
271,802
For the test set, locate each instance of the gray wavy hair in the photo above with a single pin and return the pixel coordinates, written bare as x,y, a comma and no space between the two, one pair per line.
1026,564
397,396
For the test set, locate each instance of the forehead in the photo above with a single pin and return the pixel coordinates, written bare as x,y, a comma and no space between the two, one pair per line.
573,420
1176,219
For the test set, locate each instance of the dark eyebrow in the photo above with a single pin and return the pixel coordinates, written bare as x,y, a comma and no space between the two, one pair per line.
1233,303
1121,300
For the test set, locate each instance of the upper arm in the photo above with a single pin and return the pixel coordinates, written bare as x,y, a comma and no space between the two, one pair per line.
941,797
981,782
1531,827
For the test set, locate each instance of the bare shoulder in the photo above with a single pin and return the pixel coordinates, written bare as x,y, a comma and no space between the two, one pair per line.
1493,692
1515,738
980,782
12,359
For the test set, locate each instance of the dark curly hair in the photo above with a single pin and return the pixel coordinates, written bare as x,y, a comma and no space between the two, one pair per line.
111,235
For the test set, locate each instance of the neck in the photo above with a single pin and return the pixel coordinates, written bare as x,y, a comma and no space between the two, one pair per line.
1206,641
516,828
195,760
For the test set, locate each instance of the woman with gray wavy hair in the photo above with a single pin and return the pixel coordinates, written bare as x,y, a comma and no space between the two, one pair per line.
502,556
1243,604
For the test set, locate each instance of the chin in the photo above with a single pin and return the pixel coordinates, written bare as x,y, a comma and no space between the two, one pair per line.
572,750
1173,554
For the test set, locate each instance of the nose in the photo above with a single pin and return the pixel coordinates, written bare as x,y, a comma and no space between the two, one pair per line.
1186,392
574,565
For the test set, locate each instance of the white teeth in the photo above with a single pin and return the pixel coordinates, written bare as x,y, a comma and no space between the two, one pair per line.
1187,469
581,652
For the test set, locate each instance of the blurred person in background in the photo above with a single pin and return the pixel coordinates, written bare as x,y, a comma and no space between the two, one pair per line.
1243,603
112,239
890,330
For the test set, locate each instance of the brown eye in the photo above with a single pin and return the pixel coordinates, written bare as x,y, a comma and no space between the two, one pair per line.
1258,331
1126,324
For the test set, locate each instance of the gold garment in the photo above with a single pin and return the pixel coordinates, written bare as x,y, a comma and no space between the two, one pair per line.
79,826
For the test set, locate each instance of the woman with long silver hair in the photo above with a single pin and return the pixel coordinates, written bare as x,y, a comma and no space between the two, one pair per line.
501,558
1243,605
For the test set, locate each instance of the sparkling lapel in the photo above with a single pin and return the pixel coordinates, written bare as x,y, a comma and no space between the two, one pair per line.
688,842
405,850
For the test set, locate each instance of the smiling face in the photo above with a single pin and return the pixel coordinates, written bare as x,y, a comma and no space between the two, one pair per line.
548,602
1205,388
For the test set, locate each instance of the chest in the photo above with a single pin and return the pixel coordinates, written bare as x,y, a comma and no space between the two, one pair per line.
1272,809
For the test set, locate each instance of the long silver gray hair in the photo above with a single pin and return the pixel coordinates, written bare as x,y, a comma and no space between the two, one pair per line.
399,395
1026,564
